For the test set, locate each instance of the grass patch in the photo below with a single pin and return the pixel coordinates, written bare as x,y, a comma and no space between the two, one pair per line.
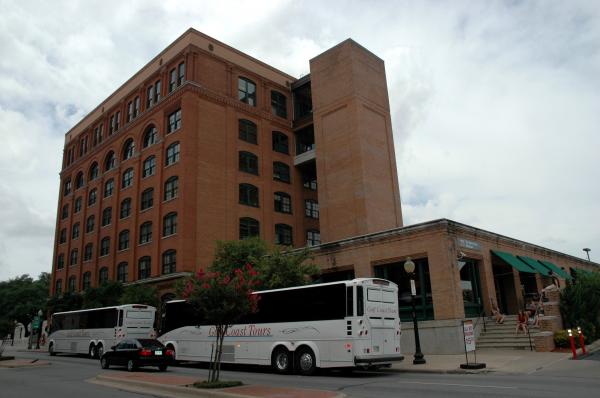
217,384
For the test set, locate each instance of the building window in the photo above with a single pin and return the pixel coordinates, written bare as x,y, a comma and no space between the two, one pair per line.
104,246
83,145
79,180
87,280
125,208
75,231
97,139
180,73
149,167
103,275
110,162
247,91
169,262
129,111
73,259
144,267
313,237
94,171
136,106
109,186
89,224
170,224
72,283
149,96
281,172
65,211
171,188
146,232
63,236
127,178
249,195
248,131
248,162
283,235
172,79
58,287
172,153
60,261
106,216
157,91
309,182
88,252
278,104
122,272
111,125
311,208
67,187
249,227
150,136
77,205
280,142
124,240
128,149
92,197
147,199
283,202
174,122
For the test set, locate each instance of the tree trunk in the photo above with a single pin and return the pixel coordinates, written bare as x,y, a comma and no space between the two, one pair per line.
225,327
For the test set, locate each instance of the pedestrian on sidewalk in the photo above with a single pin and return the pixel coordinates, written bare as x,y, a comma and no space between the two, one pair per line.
521,322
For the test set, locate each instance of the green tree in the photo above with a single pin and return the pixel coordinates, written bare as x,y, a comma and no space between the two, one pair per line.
140,294
67,302
20,300
221,299
107,294
580,304
234,254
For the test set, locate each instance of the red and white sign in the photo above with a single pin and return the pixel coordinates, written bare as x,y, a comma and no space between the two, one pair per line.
469,336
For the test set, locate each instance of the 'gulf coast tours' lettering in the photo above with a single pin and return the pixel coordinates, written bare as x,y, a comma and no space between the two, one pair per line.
381,310
243,331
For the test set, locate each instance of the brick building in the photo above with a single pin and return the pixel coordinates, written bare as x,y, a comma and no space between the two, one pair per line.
206,143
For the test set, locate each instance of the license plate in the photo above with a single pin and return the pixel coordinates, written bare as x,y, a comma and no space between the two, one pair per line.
157,352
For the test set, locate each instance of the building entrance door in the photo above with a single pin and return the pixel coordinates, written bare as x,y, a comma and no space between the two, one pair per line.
471,287
506,292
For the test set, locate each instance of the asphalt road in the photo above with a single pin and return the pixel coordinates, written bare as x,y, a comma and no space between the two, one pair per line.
65,378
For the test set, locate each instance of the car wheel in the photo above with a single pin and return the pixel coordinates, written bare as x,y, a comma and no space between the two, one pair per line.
104,363
131,366
92,351
99,350
306,361
162,368
280,361
51,350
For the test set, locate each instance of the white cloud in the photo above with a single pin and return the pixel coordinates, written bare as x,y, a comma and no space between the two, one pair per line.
494,104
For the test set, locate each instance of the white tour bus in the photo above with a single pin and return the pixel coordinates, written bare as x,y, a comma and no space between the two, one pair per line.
93,330
329,325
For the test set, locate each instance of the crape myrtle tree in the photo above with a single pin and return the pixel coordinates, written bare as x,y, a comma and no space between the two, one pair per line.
221,299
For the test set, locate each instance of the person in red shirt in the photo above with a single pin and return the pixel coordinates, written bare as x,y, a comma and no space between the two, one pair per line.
521,322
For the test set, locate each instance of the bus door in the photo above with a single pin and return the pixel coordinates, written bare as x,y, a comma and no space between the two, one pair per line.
119,332
381,309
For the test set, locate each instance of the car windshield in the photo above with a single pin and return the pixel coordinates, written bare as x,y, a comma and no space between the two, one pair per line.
150,343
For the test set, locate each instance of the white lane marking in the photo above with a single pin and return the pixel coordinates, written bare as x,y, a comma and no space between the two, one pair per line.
455,385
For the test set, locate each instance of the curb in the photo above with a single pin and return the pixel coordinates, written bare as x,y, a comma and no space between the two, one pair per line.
439,371
167,390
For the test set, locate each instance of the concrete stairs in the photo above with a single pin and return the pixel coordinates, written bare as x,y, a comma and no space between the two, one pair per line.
503,336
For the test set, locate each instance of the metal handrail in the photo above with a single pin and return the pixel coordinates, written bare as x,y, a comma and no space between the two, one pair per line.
481,316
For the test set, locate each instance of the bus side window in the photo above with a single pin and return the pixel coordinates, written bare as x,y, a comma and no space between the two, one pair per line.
359,301
120,317
349,301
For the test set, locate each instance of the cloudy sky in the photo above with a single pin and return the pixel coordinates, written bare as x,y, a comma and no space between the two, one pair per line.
495,104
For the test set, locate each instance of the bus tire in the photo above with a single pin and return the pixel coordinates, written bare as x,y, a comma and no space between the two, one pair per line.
99,350
92,351
104,363
306,361
131,365
281,360
51,350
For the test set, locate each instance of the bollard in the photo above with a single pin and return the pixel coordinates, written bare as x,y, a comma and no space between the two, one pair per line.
572,343
581,341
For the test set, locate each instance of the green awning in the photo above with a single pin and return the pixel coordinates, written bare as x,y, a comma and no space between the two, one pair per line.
535,265
514,262
557,271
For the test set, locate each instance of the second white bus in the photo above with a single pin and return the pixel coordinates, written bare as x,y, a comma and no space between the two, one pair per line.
92,331
331,325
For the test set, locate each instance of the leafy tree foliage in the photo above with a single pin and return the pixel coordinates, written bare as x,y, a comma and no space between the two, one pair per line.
20,300
140,294
580,304
107,294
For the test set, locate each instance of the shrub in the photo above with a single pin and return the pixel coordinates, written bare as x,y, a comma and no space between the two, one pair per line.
580,305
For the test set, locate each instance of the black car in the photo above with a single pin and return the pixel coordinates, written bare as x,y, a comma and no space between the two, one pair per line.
134,353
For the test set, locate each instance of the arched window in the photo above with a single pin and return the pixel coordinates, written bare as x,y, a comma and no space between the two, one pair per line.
147,199
125,208
144,267
122,272
249,227
150,136
109,187
172,154
278,104
79,180
103,275
281,172
248,131
170,224
73,259
110,162
248,162
313,237
60,261
127,178
248,195
92,196
89,224
105,246
72,283
171,188
169,262
283,234
281,142
149,167
87,280
75,231
106,216
124,240
146,232
94,171
58,287
247,91
283,202
88,252
128,149
65,211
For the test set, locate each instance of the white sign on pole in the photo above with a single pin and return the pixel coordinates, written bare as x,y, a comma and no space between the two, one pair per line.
413,289
469,336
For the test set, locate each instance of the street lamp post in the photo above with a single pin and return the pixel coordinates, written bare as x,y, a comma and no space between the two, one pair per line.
587,251
409,267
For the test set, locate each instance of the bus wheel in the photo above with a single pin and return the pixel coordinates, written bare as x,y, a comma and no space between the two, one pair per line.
51,350
280,360
131,366
306,361
104,363
99,350
92,351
